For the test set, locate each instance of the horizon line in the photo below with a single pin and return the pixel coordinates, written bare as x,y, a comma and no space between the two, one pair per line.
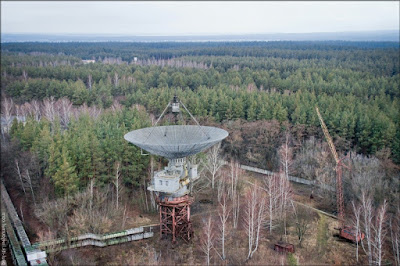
195,34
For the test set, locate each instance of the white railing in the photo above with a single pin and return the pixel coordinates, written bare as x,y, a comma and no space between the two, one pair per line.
291,178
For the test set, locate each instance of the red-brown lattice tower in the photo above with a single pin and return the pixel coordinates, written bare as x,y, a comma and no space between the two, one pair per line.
175,217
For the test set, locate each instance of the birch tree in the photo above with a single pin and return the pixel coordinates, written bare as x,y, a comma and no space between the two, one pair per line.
374,225
28,178
214,162
223,214
35,105
379,233
49,110
221,187
233,193
6,113
207,239
271,187
394,225
366,209
286,156
65,111
254,218
25,75
19,175
356,223
117,182
279,197
90,81
285,197
151,173
116,79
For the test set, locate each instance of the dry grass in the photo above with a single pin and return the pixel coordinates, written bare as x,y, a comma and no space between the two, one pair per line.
79,215
162,252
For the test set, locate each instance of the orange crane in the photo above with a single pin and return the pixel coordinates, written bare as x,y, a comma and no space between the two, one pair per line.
344,231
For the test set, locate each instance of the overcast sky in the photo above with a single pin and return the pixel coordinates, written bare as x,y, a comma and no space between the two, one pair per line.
197,18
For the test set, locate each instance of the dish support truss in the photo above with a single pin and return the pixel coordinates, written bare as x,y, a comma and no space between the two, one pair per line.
175,218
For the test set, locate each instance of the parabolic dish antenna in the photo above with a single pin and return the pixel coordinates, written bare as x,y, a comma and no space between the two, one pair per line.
176,141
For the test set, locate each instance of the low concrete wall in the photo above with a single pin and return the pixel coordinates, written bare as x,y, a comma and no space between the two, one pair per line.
291,178
97,240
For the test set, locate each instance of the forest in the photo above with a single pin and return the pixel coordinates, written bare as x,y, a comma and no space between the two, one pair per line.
63,119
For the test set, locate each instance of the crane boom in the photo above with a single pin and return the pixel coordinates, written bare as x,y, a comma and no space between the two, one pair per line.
339,188
344,231
328,136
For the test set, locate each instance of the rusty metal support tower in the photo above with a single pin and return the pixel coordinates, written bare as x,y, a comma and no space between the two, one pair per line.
346,232
175,218
338,169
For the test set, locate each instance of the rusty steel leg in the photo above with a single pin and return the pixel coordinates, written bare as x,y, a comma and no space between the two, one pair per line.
173,225
175,219
161,221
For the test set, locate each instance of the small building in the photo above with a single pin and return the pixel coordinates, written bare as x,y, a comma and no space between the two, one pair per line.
88,61
284,247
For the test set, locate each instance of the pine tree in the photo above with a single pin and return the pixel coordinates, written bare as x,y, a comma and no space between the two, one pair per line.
42,143
65,179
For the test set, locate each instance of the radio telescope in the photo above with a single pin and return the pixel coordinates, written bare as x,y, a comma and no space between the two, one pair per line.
171,185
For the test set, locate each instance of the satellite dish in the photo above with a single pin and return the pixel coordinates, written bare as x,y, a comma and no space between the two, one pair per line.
176,141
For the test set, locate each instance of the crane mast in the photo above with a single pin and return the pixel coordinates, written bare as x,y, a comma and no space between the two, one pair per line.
338,168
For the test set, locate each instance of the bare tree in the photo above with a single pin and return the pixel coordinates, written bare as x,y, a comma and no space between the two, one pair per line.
65,110
207,240
254,218
17,110
233,193
221,184
90,81
25,75
379,232
116,106
25,109
394,225
6,113
367,176
28,178
374,227
279,198
94,111
117,182
285,192
151,173
356,222
214,162
116,80
35,111
223,214
303,217
49,109
272,189
20,175
286,156
366,209
313,162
